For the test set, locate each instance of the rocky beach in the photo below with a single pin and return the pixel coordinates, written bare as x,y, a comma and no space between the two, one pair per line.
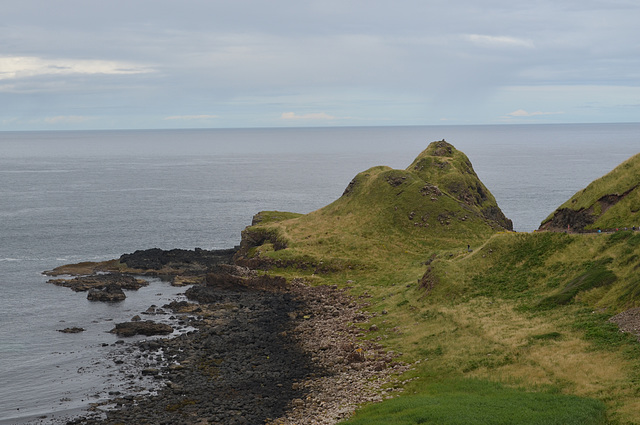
261,349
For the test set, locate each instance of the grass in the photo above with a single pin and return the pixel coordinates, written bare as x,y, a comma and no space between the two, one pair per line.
515,331
623,180
481,402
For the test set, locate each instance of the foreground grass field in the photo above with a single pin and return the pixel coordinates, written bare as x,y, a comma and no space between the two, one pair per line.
476,402
512,331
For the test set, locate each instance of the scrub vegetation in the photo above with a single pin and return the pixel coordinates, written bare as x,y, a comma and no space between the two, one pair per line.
501,327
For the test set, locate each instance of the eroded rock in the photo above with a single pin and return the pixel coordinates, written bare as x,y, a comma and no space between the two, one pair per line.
100,281
111,293
147,328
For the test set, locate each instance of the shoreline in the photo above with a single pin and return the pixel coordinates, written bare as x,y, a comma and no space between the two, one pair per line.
264,351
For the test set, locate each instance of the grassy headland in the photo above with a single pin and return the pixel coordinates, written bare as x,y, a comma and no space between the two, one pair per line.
610,202
513,331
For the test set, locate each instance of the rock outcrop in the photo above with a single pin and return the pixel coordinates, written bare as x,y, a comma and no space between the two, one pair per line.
443,166
110,293
610,202
147,328
73,330
182,260
100,281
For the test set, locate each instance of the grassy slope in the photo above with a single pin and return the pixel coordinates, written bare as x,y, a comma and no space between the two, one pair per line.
394,216
489,318
526,310
624,178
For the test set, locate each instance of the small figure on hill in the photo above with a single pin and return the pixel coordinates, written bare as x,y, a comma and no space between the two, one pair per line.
469,248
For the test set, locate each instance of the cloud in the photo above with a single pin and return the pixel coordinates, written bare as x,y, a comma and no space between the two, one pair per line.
66,119
498,41
12,67
522,113
191,117
312,116
444,59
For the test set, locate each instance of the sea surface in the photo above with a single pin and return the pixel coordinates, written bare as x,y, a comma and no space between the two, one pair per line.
72,196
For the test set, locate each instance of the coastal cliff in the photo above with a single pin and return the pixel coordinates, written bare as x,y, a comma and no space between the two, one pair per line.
610,202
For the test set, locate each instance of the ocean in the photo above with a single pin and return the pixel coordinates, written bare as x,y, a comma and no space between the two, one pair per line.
71,196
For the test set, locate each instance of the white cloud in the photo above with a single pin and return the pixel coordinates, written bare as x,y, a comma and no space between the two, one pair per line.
499,41
522,113
191,117
312,116
12,67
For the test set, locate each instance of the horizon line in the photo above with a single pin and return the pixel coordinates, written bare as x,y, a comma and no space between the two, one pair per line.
318,127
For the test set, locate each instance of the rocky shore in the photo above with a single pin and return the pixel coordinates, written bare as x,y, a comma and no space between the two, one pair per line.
263,351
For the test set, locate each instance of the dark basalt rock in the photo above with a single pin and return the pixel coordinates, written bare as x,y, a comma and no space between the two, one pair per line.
100,281
198,260
111,293
147,328
567,219
73,330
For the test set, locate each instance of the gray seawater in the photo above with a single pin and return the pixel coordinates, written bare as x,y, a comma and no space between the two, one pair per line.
93,195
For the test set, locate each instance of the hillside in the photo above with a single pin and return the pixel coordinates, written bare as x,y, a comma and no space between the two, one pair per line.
515,330
434,302
384,215
610,202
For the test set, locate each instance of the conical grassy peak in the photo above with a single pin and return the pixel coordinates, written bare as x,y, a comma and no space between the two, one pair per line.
446,167
387,213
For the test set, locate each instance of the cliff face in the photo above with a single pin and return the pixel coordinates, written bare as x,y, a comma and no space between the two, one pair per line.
612,201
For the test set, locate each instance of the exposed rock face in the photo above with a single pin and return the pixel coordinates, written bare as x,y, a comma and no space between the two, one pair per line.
147,328
442,148
111,293
577,220
612,201
443,166
494,213
567,219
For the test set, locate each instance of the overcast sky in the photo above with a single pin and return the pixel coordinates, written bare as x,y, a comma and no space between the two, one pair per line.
89,64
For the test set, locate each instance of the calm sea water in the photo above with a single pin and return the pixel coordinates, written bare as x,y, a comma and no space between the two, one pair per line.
93,195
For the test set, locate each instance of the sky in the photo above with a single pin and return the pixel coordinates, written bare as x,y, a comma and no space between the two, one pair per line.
154,64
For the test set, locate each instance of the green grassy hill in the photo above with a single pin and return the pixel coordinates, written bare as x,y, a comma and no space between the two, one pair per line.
385,215
610,202
515,331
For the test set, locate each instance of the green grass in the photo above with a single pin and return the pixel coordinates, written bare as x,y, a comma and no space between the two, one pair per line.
623,180
480,402
595,276
520,313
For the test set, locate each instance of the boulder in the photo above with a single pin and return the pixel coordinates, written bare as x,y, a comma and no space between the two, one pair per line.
147,328
73,330
111,293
